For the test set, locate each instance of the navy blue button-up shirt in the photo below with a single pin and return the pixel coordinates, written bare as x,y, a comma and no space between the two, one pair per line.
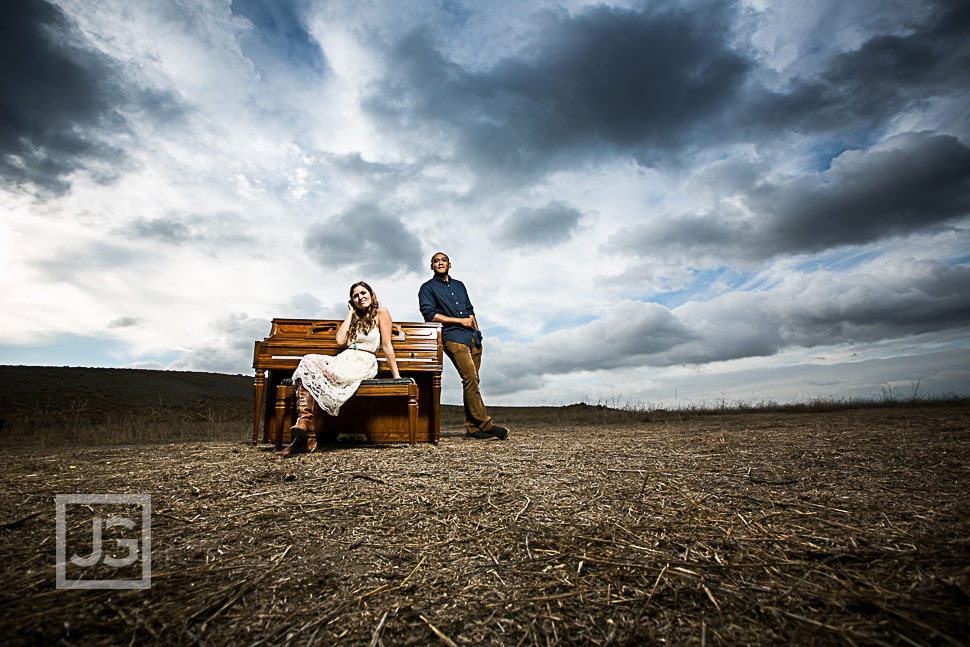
448,298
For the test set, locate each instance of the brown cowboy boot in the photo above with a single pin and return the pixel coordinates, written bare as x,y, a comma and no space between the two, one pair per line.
303,432
304,413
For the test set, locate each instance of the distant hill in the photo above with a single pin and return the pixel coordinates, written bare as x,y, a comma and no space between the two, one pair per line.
31,390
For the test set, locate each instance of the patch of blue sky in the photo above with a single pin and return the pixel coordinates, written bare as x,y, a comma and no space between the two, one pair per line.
568,320
551,325
504,333
280,34
76,350
457,11
822,151
672,299
706,284
839,261
761,281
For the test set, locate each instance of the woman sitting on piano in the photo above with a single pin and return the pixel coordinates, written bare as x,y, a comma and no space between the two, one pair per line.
325,382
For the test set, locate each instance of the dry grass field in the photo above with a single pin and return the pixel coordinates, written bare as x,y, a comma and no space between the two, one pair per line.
587,527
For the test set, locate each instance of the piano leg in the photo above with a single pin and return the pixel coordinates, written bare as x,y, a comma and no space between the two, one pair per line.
413,413
280,415
435,418
258,396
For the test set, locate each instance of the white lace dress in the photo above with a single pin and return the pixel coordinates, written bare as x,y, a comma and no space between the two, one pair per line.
332,379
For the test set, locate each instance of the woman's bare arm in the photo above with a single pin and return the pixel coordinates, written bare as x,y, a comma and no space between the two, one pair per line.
384,321
341,336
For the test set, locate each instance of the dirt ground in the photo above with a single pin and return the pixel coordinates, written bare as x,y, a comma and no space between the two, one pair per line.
843,527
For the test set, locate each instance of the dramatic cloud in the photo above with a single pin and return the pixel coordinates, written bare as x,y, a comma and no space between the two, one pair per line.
639,82
59,99
656,83
908,183
895,300
542,227
892,300
367,241
863,89
630,332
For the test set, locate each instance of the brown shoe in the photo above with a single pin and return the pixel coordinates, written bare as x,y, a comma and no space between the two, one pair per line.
304,409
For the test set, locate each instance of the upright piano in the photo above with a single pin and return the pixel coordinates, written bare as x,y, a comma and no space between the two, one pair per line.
417,348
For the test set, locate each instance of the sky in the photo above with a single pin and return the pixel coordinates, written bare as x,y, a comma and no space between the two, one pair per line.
650,203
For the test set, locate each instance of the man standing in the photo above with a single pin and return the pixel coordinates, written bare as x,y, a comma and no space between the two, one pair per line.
445,300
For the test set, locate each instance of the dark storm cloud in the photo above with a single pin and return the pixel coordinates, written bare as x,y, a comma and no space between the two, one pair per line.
911,182
864,88
658,84
626,335
604,78
542,227
366,240
895,300
59,100
280,34
51,91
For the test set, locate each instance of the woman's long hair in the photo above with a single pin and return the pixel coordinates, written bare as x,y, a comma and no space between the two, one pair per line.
362,320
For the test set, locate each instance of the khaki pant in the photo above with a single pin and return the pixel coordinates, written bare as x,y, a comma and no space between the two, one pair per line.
467,360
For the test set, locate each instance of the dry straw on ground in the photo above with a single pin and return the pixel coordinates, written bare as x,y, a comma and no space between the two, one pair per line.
843,527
